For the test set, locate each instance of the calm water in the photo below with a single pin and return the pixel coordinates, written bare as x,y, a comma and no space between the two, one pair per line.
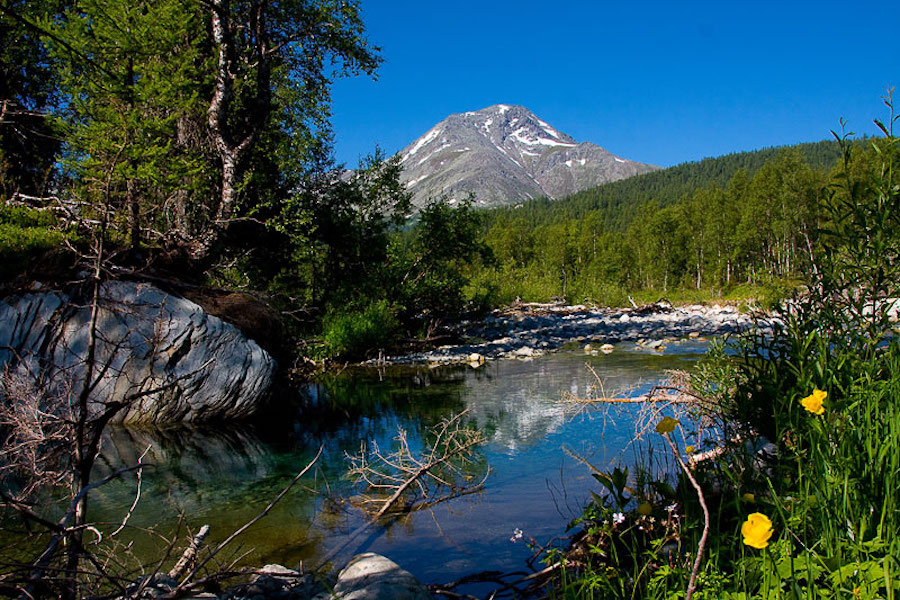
225,477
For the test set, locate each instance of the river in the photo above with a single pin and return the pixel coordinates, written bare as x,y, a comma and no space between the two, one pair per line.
224,477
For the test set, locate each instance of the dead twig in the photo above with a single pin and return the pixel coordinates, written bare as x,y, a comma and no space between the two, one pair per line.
701,546
437,474
190,553
190,575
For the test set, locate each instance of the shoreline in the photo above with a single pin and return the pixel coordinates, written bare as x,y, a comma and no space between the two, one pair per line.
532,330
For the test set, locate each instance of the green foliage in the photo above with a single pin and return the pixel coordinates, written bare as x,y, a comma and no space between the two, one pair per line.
23,216
158,139
28,141
831,488
754,230
134,87
350,334
25,234
619,201
433,263
335,232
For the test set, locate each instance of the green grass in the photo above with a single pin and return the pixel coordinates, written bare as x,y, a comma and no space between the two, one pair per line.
25,235
832,488
351,333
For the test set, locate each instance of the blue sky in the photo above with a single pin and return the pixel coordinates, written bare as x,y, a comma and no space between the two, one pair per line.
657,82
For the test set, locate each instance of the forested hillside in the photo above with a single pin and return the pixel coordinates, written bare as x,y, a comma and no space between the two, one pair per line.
621,199
747,219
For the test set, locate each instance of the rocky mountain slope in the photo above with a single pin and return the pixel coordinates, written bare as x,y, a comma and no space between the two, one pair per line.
505,155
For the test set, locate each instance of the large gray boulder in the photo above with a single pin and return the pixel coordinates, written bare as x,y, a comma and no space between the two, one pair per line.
160,355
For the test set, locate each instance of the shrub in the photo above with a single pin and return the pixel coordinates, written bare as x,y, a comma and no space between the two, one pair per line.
821,388
19,245
352,333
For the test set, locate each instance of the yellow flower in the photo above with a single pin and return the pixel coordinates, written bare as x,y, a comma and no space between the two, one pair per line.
667,425
749,498
757,530
813,402
645,509
689,449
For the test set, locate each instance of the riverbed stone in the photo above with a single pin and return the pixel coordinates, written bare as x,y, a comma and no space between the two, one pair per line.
161,355
277,582
371,576
560,325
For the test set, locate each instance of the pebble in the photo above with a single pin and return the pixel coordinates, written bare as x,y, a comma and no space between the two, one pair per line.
528,336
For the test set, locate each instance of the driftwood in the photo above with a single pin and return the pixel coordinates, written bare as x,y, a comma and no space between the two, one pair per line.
421,478
405,481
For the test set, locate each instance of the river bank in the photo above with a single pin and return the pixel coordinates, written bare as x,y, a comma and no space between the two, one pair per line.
530,330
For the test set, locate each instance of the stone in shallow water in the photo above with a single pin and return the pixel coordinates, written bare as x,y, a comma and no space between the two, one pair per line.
373,577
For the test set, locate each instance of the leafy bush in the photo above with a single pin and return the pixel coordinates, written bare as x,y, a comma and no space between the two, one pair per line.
20,242
22,216
817,516
350,334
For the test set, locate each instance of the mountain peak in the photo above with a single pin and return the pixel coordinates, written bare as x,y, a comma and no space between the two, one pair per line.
505,154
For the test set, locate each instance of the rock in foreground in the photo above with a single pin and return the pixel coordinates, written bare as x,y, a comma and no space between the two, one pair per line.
373,577
160,355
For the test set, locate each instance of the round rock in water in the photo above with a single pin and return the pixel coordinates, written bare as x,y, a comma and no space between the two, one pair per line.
373,577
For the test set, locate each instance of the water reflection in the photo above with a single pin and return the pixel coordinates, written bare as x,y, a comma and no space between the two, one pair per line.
226,476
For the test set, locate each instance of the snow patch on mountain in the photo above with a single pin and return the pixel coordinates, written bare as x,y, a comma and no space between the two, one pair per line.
504,154
422,142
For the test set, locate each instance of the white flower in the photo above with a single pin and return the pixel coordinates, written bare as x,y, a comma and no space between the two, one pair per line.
618,518
517,535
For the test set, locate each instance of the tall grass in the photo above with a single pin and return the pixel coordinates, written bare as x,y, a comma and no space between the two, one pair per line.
822,393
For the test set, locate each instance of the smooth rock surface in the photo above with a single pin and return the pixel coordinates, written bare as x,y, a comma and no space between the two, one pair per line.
373,577
161,355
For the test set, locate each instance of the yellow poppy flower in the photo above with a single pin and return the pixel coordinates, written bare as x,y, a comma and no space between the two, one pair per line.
757,530
749,498
813,402
667,425
689,449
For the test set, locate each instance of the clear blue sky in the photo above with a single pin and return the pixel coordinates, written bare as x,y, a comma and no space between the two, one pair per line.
658,82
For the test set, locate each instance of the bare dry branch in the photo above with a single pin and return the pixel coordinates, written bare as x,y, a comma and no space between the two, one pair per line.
190,575
422,477
190,553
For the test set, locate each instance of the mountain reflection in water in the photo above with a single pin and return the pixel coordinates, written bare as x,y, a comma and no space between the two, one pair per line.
225,476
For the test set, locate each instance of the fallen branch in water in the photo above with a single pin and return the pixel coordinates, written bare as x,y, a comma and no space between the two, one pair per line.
437,471
443,470
186,582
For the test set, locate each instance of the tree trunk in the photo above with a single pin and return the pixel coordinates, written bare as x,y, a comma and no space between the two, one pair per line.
232,150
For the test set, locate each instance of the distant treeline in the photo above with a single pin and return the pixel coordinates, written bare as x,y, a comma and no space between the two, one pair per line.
621,199
748,218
